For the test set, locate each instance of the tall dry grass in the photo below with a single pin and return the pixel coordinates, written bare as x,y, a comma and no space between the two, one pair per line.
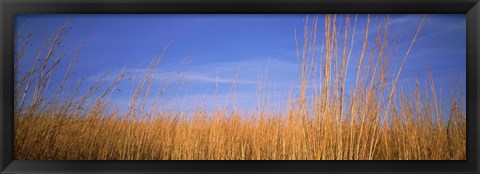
373,120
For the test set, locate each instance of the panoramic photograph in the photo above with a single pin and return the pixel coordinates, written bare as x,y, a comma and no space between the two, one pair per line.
240,87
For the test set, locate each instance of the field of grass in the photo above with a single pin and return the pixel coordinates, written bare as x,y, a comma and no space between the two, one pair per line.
376,120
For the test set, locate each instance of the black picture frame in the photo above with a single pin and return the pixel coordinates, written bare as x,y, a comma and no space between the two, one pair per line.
8,9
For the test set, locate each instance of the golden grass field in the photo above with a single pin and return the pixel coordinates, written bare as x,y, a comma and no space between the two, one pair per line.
378,120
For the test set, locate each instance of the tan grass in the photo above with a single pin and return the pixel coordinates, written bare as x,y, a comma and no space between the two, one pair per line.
377,121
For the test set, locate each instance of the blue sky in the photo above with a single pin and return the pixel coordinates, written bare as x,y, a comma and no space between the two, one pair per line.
226,44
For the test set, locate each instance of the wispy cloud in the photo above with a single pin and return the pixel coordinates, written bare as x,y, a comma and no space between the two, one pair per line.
199,77
243,72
